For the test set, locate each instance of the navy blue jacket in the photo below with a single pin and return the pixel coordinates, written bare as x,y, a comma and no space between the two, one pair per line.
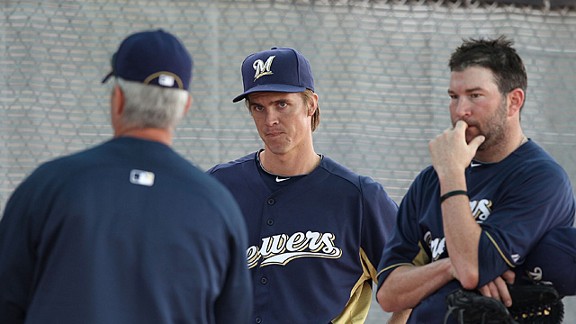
125,232
515,201
315,240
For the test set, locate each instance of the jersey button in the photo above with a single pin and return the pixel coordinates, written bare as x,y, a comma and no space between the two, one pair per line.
270,222
258,320
271,201
263,280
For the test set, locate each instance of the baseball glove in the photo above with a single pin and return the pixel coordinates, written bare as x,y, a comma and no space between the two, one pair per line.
537,303
469,307
531,304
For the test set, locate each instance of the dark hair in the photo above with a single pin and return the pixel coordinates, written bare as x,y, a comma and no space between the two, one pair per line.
498,55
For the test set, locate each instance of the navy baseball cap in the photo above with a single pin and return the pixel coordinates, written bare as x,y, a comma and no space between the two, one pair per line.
153,57
553,261
280,69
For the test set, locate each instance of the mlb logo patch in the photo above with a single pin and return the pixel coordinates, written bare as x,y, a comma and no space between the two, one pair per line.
143,178
166,80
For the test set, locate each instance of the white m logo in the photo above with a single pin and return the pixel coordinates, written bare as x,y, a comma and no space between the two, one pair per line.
262,68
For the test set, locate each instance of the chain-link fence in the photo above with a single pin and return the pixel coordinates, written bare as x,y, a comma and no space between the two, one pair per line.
380,69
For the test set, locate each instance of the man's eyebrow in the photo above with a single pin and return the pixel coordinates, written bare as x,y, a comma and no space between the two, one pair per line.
475,89
273,101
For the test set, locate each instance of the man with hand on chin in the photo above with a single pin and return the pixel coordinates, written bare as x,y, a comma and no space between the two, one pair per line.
490,195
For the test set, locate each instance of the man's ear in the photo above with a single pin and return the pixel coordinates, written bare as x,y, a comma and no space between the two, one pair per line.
188,103
515,100
313,105
117,100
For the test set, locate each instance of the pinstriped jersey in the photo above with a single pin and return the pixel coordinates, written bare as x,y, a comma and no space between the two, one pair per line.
515,201
315,240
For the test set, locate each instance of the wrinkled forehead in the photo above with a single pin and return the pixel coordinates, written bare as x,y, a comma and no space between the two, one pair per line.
472,78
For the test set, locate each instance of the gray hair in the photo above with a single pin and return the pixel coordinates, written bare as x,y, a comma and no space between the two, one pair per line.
151,106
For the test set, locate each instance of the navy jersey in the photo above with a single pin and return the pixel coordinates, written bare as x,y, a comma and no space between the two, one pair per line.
315,240
515,201
125,232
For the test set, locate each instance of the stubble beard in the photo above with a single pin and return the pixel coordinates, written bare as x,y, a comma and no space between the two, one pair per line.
494,129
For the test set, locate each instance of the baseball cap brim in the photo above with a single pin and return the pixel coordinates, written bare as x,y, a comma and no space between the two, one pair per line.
108,76
270,88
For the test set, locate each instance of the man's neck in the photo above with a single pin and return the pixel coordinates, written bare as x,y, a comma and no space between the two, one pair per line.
500,152
289,164
152,134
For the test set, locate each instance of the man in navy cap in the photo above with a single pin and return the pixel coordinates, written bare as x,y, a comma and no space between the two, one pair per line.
316,229
128,231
